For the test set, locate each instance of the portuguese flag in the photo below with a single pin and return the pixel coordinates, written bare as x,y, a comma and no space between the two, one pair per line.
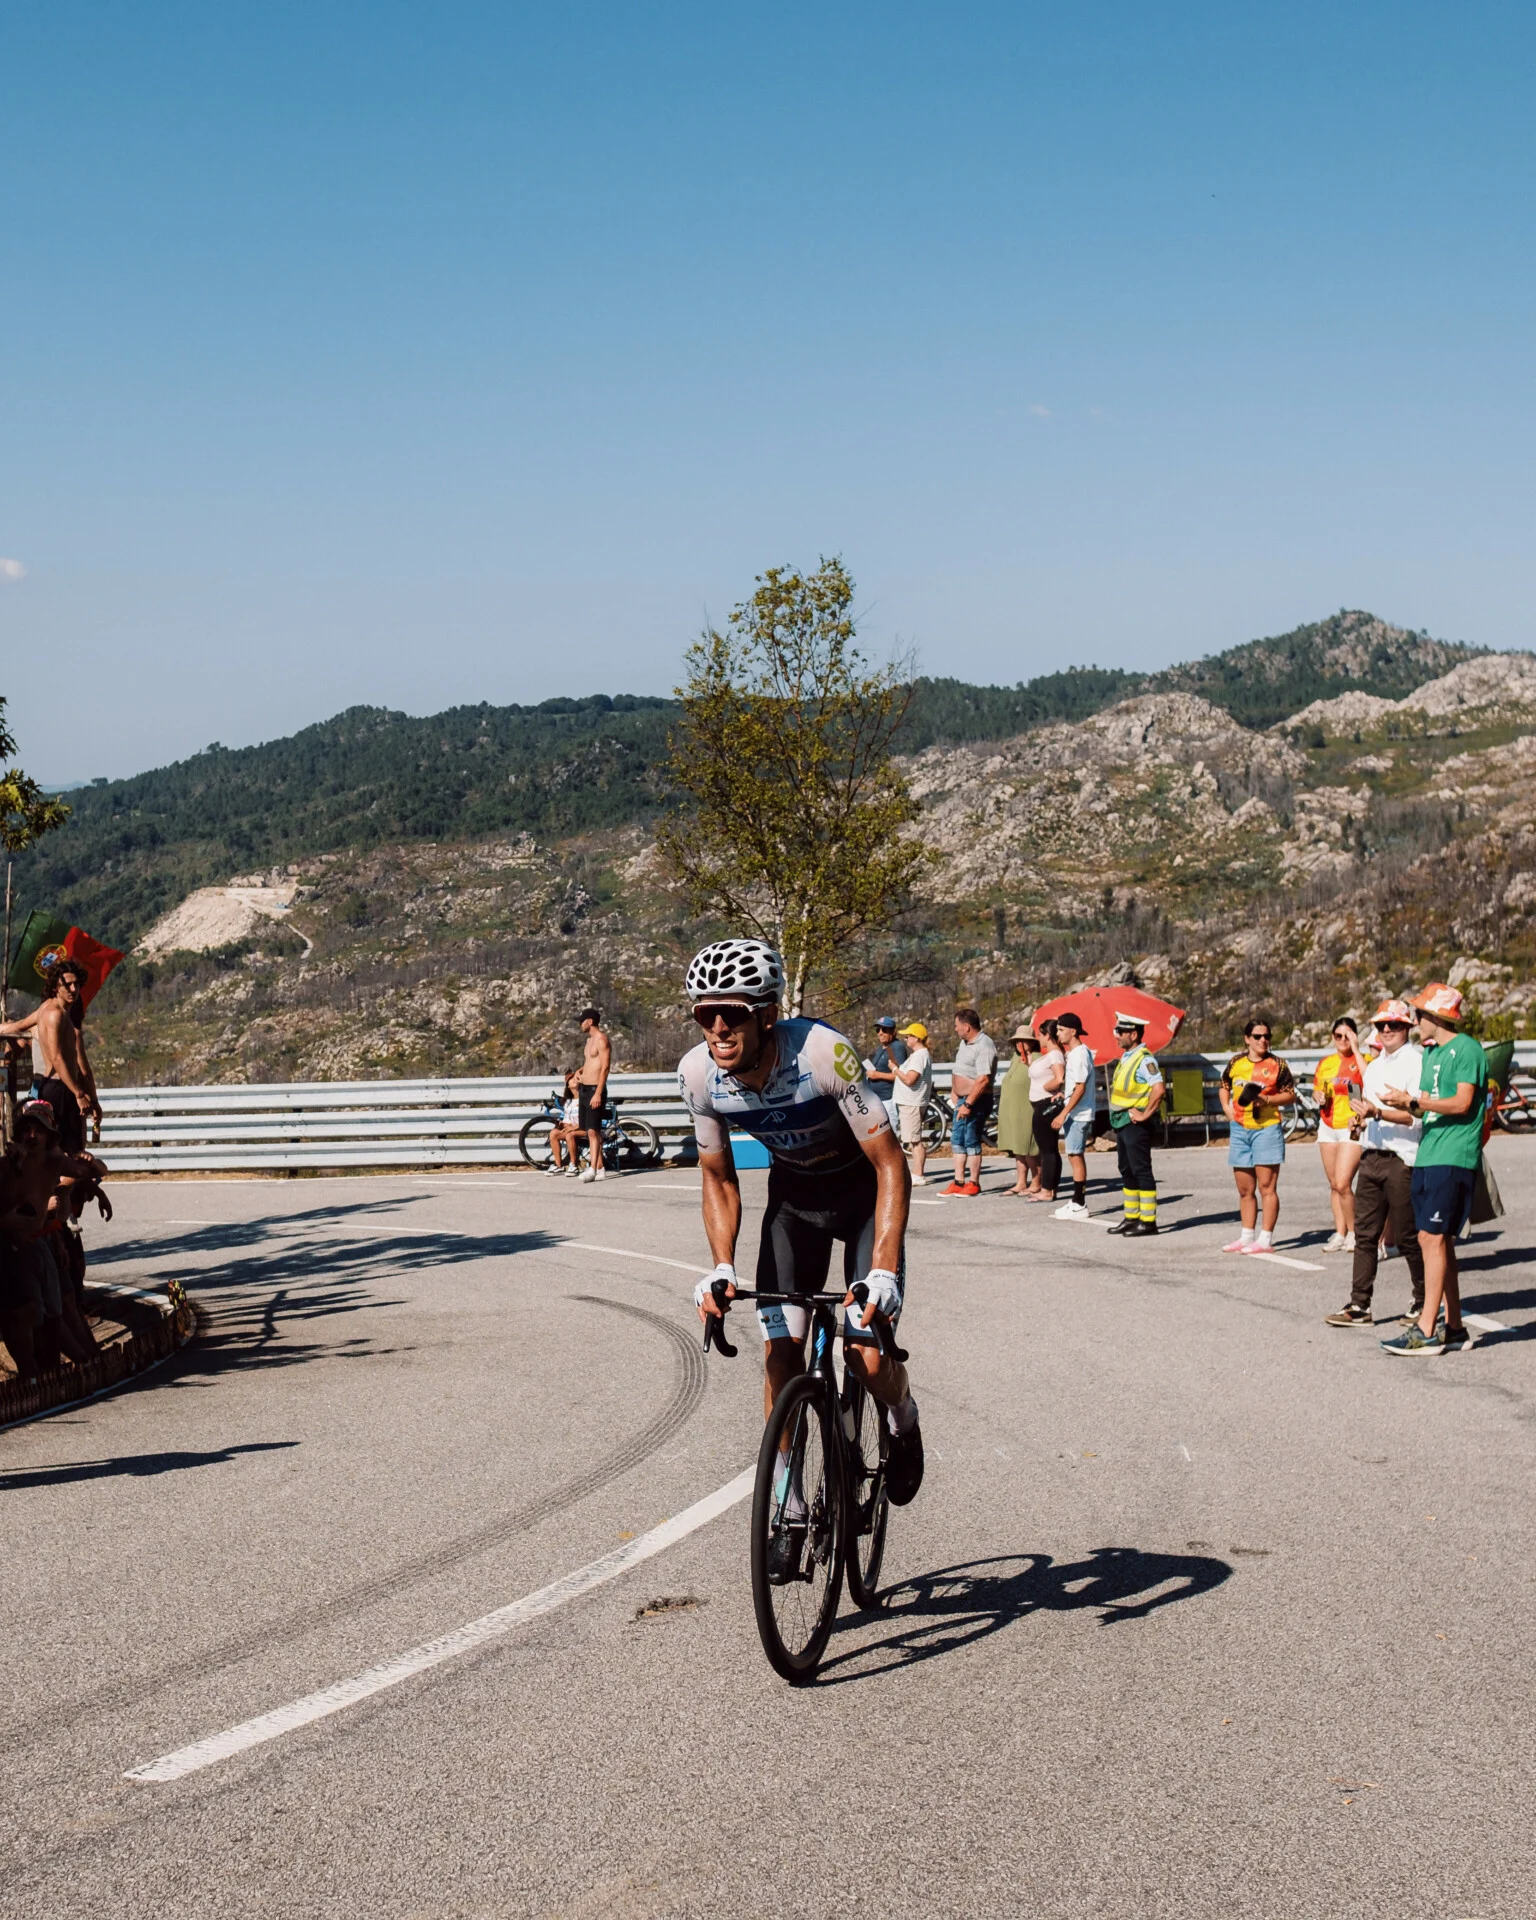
45,941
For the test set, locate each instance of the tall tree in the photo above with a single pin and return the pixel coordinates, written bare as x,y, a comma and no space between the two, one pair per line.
26,813
792,816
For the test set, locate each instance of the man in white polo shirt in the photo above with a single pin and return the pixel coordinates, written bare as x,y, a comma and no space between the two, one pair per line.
1079,1103
1384,1183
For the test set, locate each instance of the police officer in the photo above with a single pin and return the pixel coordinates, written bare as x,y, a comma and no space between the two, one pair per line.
1135,1093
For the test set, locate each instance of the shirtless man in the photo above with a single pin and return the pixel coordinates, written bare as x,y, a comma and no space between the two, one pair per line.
592,1090
65,1079
39,1315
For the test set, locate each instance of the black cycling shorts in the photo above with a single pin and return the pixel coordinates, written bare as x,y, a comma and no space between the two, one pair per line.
807,1214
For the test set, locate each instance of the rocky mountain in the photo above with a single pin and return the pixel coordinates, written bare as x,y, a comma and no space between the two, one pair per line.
1346,848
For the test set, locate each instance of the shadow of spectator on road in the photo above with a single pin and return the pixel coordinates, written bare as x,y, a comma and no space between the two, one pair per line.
252,1281
937,1613
135,1465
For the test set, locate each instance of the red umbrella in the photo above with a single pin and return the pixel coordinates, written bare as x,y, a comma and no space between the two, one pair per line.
1099,1007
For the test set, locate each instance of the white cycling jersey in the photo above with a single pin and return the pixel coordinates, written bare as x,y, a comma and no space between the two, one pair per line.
812,1113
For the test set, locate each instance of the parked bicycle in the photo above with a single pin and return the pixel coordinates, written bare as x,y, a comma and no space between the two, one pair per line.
627,1139
1302,1118
939,1118
821,1478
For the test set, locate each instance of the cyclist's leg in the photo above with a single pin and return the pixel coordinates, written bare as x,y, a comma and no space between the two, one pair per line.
885,1378
793,1256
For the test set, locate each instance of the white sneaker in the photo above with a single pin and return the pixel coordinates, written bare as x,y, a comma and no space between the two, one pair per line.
1349,1243
572,1174
587,1173
1334,1243
552,1168
1071,1211
599,1173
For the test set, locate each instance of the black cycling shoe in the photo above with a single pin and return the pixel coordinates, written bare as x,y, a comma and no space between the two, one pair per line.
904,1465
784,1555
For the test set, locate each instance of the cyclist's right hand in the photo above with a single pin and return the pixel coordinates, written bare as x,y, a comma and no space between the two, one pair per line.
704,1292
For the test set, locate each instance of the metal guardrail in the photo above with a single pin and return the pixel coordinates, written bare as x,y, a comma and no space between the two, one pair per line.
401,1123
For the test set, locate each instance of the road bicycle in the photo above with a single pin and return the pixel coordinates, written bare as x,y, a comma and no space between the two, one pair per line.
625,1138
939,1119
820,1479
1301,1118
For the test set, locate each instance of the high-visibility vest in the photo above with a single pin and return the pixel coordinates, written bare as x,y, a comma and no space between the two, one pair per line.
1124,1091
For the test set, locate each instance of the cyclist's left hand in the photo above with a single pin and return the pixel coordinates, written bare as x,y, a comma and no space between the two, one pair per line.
884,1295
704,1292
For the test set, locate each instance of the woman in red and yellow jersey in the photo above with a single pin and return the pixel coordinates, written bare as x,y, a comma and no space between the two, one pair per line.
1339,1074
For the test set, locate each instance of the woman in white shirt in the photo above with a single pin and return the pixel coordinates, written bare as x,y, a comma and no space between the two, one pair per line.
1047,1075
910,1093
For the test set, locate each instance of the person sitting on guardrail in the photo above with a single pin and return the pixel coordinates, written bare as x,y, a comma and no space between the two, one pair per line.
567,1136
39,1316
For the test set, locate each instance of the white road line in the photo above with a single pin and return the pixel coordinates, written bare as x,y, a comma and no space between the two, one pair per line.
1283,1260
1485,1323
448,1646
624,1253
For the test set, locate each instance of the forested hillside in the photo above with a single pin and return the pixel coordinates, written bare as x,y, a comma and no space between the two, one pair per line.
370,777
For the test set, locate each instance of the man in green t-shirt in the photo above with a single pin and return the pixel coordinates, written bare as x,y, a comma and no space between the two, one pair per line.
1453,1089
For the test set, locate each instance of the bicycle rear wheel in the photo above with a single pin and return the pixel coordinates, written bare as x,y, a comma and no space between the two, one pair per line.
533,1140
640,1139
799,1494
869,1506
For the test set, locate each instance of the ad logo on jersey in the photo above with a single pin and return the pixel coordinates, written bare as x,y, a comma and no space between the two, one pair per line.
846,1064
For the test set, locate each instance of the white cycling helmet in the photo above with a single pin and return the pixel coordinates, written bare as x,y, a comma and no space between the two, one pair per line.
746,970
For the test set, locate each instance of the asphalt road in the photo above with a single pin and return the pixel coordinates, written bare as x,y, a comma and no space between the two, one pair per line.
1205,1608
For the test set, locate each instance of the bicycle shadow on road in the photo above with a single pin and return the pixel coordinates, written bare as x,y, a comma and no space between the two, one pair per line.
942,1612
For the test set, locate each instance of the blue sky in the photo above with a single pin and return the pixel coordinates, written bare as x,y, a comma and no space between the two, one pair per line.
411,356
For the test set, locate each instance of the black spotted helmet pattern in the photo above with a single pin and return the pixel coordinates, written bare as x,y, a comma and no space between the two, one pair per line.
747,970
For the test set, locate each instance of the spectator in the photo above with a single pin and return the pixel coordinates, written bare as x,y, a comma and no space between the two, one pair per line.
974,1070
1256,1086
66,1081
911,1090
37,1321
566,1137
1047,1077
1016,1117
592,1090
1339,1075
1385,1189
1453,1082
889,1055
1135,1093
1079,1102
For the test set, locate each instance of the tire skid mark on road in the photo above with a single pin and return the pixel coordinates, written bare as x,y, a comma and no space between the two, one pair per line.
321,1705
688,1391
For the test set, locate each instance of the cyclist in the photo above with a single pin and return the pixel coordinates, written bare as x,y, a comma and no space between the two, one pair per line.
836,1172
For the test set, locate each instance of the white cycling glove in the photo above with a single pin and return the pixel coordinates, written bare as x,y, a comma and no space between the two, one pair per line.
884,1295
706,1287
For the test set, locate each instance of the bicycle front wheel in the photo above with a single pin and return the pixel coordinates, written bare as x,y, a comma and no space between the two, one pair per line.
533,1140
798,1529
869,1506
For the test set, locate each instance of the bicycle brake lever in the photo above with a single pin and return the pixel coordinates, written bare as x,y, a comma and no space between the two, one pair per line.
714,1328
880,1327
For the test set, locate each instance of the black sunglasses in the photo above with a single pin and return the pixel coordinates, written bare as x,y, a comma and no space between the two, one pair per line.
731,1011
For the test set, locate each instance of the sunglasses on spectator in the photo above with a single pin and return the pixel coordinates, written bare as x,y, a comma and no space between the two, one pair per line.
1390,1026
730,1011
1263,1036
